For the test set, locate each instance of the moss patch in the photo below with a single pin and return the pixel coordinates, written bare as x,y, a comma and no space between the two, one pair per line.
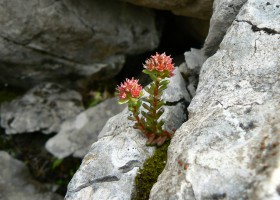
150,171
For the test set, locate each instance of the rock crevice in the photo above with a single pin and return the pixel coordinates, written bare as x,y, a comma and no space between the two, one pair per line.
255,28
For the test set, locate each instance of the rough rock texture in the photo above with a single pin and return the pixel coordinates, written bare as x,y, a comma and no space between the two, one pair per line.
190,69
43,108
229,148
224,12
201,9
46,39
17,184
109,168
76,135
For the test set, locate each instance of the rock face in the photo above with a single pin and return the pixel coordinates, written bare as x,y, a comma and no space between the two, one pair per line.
201,9
43,108
44,40
16,182
224,12
77,134
109,168
229,148
190,69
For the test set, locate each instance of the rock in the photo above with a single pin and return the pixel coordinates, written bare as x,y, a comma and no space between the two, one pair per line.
25,76
16,182
224,12
69,39
109,168
176,90
229,148
194,59
195,9
43,108
77,134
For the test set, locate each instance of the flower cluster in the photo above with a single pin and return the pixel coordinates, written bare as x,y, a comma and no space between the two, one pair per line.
129,89
158,67
160,64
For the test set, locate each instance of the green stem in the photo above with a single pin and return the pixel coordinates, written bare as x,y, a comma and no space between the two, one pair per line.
141,126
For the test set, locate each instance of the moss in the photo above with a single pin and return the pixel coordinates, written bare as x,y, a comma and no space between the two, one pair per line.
150,171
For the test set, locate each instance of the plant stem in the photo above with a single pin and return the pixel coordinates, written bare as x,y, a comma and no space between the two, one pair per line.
141,126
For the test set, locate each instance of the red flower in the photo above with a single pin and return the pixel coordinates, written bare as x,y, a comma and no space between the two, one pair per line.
160,63
129,88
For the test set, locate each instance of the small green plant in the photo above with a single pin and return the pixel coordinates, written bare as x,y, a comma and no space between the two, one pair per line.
56,163
159,67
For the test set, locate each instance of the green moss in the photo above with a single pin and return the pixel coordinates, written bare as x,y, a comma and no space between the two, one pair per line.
150,171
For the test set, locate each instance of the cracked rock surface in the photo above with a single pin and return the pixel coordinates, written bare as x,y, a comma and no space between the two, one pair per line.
77,134
54,40
109,168
42,108
224,12
229,148
17,184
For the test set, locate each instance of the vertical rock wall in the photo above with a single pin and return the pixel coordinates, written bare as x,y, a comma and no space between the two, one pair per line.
229,148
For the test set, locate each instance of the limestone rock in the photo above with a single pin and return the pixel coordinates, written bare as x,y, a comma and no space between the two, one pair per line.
195,9
109,168
229,148
25,76
43,108
17,184
77,134
224,12
71,39
194,59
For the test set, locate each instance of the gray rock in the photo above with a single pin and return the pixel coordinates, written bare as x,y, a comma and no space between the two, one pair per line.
176,90
109,168
224,12
229,148
70,38
194,59
25,76
200,9
43,108
77,134
17,184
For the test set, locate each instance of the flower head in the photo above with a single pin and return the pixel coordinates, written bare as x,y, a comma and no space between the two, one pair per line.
160,63
129,89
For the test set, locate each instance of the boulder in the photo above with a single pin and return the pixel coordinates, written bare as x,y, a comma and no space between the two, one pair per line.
109,168
229,148
42,108
190,69
69,39
200,9
77,134
224,12
16,182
